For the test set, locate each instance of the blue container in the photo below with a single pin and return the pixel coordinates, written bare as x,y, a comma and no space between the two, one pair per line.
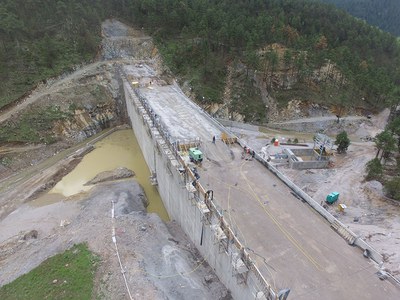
332,197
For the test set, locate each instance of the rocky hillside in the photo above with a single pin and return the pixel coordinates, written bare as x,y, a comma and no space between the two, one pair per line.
74,106
239,57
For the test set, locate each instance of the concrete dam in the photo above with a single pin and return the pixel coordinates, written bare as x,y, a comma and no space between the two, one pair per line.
264,237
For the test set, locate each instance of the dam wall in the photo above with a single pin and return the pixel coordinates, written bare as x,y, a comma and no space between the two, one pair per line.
189,204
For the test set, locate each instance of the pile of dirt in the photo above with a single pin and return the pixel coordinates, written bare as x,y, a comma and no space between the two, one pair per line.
118,173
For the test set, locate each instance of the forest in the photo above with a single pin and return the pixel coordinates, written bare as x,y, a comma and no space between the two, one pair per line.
43,38
383,13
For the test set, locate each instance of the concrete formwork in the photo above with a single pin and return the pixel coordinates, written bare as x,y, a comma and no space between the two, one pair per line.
296,163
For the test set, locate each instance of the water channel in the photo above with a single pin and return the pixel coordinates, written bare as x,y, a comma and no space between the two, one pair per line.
119,149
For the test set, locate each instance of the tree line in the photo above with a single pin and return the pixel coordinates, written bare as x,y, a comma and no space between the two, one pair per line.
382,13
41,38
194,34
199,38
385,167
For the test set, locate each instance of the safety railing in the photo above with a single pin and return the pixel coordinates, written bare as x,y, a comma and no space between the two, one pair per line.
156,122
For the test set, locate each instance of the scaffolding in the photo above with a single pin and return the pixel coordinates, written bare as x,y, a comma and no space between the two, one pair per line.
322,146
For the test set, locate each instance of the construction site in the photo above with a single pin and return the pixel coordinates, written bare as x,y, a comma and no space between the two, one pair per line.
247,216
252,224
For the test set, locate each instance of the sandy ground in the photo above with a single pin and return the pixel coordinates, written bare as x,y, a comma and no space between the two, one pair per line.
369,213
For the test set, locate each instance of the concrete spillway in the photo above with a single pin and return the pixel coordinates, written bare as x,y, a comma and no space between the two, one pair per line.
248,225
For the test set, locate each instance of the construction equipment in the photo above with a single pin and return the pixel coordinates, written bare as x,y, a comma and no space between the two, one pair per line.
195,155
332,197
342,207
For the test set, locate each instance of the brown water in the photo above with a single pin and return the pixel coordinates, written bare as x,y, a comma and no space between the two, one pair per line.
119,149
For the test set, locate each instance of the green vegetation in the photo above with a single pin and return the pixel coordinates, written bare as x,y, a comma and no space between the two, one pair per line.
392,188
204,36
34,126
41,39
374,170
342,142
198,39
5,161
385,143
394,129
245,99
68,275
302,50
382,13
388,151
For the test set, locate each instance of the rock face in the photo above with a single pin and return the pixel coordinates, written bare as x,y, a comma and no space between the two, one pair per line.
118,42
118,173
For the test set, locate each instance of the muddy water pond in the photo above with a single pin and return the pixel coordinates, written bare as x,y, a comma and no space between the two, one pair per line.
119,149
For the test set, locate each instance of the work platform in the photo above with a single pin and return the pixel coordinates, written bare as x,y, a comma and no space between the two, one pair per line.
292,245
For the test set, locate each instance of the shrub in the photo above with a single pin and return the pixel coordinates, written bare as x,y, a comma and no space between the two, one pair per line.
374,169
342,141
392,188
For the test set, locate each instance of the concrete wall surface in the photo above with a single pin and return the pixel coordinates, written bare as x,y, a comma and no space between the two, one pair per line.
303,152
342,230
200,218
184,206
302,165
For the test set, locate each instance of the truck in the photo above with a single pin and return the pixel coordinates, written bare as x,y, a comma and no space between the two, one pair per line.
195,155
